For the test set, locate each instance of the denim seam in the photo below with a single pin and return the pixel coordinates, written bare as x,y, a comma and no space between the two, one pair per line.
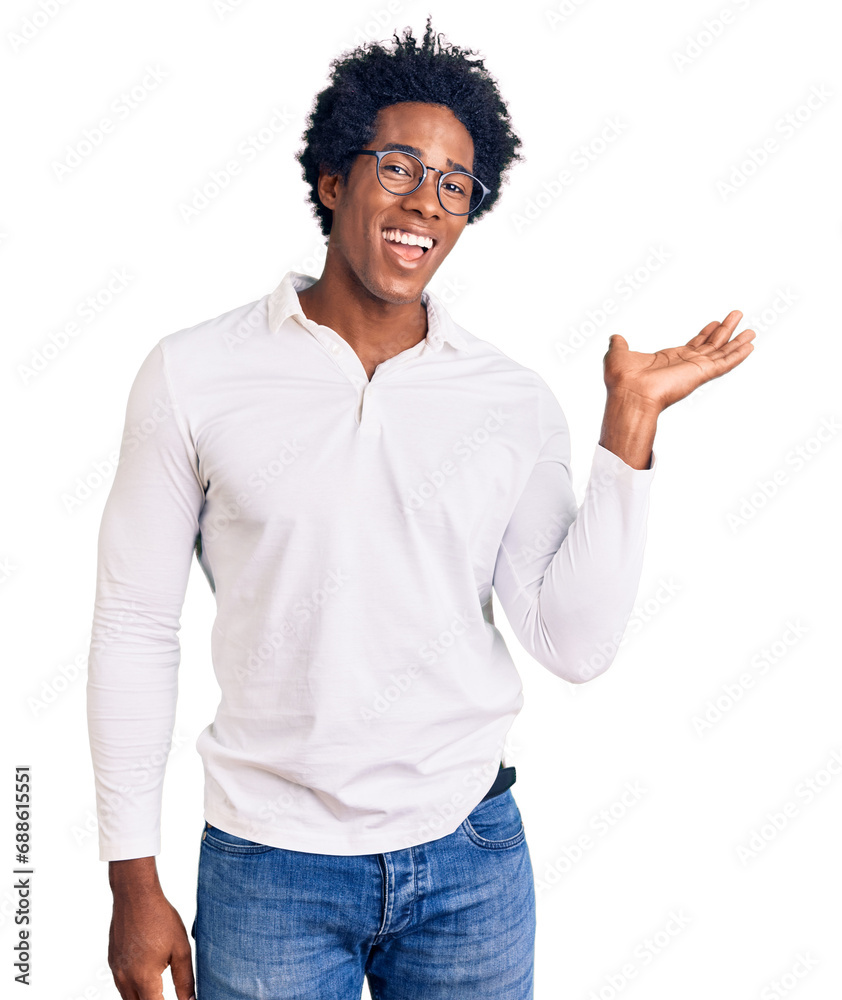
208,840
492,845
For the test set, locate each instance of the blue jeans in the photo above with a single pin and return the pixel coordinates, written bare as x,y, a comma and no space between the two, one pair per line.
451,919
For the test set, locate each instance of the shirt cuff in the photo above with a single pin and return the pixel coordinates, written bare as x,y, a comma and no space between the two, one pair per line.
608,468
129,849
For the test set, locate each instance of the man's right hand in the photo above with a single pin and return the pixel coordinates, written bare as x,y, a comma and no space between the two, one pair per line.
146,935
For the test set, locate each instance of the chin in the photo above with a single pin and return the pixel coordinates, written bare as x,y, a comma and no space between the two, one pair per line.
401,298
398,293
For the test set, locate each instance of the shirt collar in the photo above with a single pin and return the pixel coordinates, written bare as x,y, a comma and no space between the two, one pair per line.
284,304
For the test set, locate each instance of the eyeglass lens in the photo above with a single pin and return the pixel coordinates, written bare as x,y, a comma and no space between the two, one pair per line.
401,173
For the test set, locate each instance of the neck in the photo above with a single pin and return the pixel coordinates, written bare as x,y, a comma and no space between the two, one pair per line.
374,327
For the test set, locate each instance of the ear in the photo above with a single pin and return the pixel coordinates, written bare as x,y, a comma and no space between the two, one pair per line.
327,188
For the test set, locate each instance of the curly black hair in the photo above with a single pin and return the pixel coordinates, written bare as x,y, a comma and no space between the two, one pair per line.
371,77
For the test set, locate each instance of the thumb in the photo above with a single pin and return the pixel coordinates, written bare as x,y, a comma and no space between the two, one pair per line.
181,967
617,342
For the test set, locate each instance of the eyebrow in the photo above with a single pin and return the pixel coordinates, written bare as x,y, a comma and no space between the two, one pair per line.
452,164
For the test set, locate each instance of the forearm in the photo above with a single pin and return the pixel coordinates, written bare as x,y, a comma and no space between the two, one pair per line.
132,692
628,428
568,599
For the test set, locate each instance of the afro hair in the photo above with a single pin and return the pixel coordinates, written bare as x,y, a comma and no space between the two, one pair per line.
371,77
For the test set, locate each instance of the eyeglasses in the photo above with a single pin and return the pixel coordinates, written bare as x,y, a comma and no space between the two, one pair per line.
400,173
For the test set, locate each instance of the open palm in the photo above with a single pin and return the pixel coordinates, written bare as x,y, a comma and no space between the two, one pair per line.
668,375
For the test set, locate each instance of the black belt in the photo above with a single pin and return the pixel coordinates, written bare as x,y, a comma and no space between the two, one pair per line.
505,779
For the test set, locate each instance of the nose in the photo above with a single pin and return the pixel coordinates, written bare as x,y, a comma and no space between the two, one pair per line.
425,198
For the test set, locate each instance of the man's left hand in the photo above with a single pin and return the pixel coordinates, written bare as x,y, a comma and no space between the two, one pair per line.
657,380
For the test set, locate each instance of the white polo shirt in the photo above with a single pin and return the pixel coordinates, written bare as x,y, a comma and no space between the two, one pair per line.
351,531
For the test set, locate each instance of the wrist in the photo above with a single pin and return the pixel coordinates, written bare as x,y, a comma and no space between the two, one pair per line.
628,427
133,875
622,399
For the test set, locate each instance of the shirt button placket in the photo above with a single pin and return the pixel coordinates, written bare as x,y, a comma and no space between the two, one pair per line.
369,415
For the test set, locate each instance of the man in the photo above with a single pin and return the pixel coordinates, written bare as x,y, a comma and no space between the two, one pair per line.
355,472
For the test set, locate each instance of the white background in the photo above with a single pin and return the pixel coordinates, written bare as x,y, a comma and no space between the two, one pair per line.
729,570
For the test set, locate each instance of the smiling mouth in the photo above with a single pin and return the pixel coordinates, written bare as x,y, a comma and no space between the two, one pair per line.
408,245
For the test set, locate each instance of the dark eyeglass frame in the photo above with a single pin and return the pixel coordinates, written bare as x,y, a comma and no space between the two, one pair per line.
380,153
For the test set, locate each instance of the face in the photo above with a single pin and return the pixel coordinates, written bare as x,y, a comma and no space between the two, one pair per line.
363,210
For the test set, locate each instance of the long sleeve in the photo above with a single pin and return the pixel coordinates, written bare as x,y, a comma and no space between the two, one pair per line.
146,542
567,578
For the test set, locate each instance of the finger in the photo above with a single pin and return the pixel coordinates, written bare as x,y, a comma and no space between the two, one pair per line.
748,334
729,324
715,334
126,992
708,351
152,991
742,338
125,989
732,353
182,974
702,335
617,342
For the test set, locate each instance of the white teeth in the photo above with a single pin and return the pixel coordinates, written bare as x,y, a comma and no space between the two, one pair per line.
399,236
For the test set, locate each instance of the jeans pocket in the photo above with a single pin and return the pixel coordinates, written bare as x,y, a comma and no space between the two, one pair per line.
230,843
495,824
